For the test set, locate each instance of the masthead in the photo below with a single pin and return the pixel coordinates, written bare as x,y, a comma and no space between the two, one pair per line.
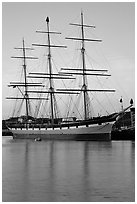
47,19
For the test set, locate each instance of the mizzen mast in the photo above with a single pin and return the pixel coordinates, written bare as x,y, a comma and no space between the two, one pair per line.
24,84
26,88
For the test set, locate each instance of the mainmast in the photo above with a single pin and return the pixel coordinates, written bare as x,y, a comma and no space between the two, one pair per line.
50,74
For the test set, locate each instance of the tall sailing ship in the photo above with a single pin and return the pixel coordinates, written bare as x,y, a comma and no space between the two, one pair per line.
55,127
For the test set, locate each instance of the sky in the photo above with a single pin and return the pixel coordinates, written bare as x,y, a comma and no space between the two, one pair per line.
115,25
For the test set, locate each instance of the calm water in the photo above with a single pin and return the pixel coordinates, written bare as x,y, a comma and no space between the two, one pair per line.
67,171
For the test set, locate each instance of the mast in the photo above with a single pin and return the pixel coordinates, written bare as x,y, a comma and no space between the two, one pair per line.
83,70
50,73
25,80
67,75
83,66
24,84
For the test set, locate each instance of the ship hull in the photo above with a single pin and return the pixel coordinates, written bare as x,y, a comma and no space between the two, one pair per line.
94,132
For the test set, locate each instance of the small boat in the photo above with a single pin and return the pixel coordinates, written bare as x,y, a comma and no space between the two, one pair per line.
38,139
55,127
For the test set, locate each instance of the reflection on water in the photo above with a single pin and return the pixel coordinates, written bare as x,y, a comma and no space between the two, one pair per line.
67,171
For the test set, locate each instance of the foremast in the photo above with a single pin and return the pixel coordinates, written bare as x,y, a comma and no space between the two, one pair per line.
84,67
84,74
84,70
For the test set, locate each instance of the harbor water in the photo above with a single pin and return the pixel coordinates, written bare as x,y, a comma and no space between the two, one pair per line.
68,171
